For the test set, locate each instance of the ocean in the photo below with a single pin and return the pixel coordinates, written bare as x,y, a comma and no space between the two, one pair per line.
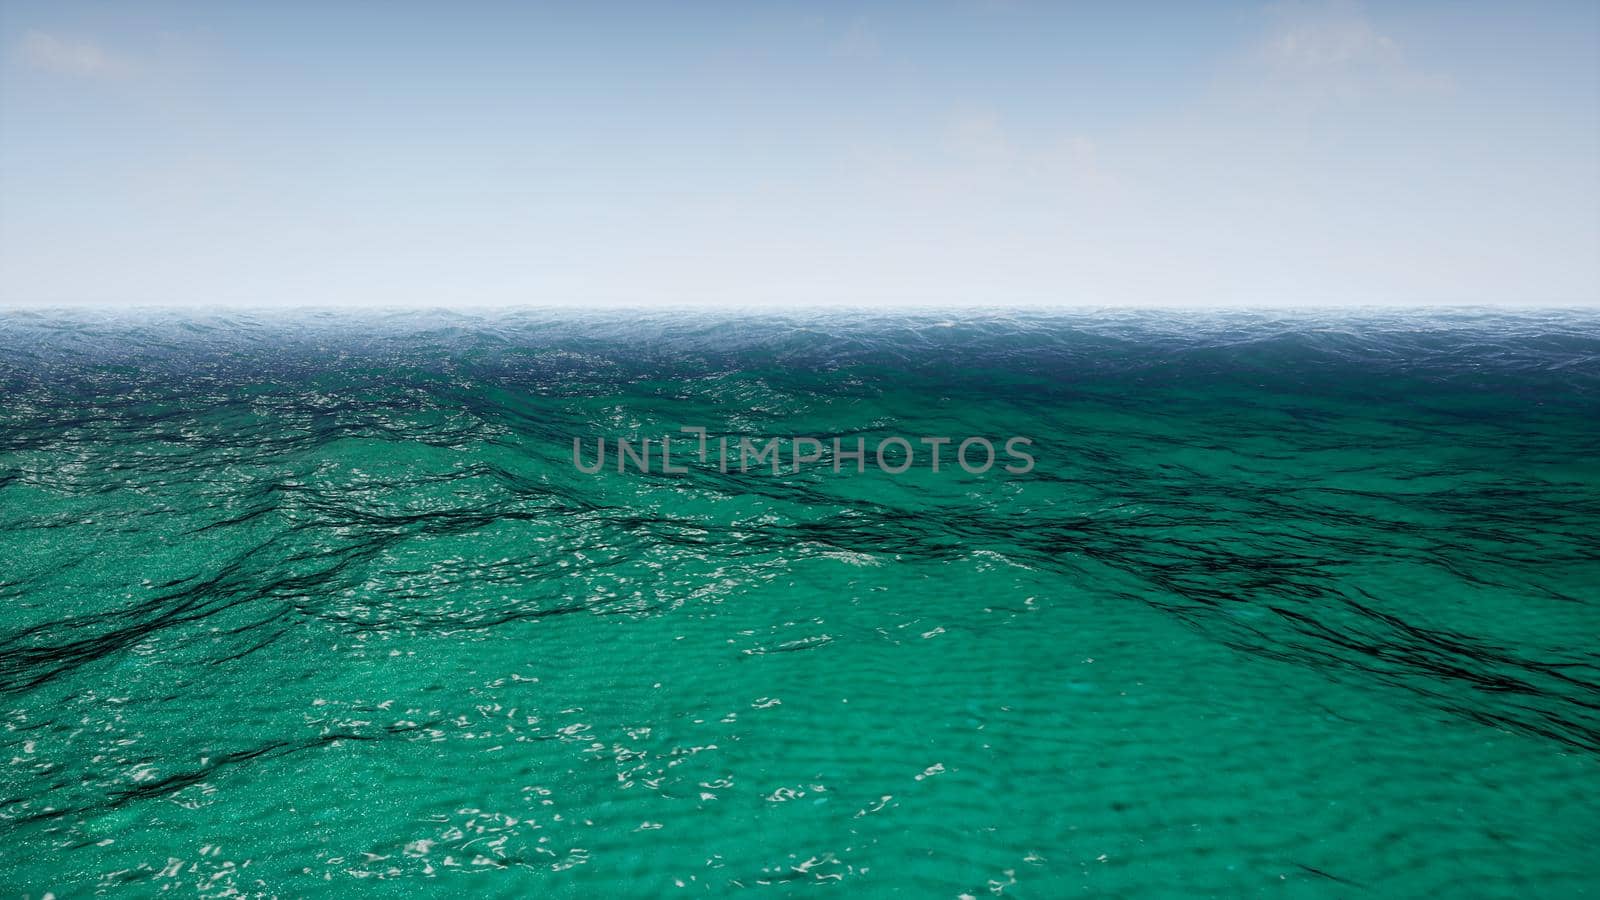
324,604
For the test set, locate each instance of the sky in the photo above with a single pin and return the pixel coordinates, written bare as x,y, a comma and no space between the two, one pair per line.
769,154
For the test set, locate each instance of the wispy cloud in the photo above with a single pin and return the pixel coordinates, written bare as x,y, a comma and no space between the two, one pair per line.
78,57
1330,45
977,160
858,42
1335,50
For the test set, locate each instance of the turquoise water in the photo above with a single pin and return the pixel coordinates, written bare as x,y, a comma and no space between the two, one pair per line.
319,605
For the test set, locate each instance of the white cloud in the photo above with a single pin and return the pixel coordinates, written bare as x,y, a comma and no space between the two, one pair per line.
1334,50
1330,45
978,135
975,165
78,57
858,42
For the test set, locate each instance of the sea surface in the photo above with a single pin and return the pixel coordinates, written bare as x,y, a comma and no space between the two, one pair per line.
318,604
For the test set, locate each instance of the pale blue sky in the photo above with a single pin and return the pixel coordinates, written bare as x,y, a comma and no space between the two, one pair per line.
770,154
